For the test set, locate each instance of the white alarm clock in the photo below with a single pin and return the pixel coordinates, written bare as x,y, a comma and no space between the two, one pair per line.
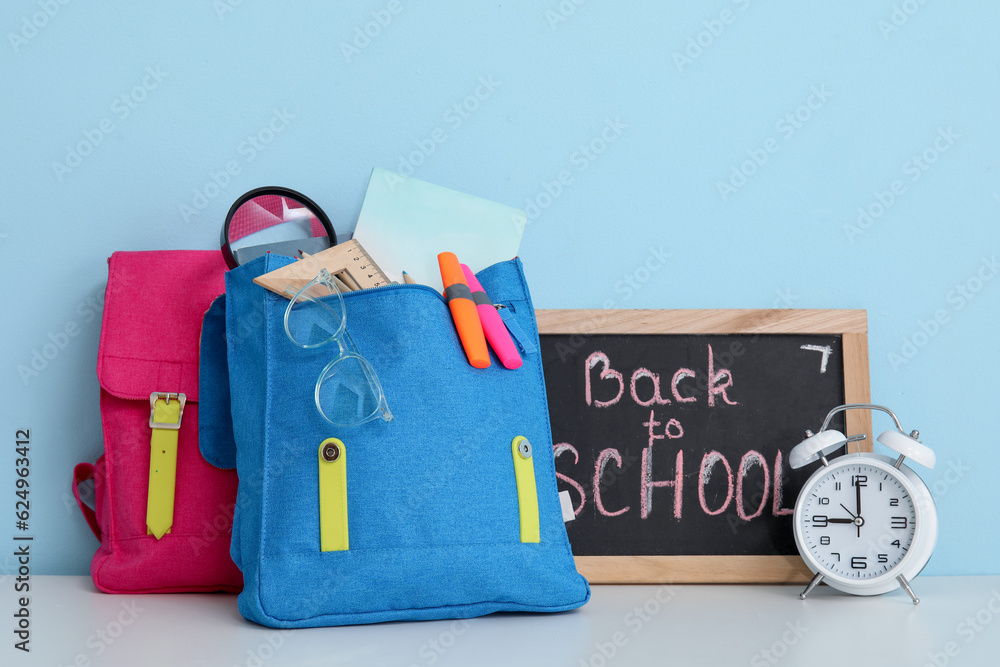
864,523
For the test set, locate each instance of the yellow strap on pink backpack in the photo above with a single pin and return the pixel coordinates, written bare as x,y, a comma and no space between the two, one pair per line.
164,422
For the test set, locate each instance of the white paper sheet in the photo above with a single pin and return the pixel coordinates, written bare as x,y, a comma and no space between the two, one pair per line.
405,223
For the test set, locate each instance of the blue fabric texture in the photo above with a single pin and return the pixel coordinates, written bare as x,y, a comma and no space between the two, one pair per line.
215,420
432,496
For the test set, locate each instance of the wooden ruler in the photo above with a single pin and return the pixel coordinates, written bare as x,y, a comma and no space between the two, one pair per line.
347,261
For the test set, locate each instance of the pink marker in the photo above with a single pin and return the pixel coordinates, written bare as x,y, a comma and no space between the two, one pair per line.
493,326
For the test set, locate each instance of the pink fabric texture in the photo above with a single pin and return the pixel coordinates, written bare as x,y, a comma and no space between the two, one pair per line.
153,310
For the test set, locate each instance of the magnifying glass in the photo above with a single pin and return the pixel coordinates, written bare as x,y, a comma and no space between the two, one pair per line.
274,219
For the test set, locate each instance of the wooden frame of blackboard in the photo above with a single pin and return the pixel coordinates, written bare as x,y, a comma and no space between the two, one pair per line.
851,325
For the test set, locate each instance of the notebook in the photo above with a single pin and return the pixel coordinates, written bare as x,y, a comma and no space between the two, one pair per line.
406,222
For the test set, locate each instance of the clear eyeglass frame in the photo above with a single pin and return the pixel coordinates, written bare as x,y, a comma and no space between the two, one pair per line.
348,391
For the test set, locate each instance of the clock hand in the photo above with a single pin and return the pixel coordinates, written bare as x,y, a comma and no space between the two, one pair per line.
840,520
858,488
855,519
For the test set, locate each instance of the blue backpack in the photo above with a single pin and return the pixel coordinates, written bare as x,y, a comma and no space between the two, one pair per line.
449,510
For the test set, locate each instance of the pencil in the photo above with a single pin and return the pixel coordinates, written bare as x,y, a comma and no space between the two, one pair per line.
351,285
408,279
340,284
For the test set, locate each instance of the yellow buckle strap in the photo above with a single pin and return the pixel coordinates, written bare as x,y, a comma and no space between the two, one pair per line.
527,493
333,534
164,422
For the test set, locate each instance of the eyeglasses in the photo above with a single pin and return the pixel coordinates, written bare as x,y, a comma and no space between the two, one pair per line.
348,391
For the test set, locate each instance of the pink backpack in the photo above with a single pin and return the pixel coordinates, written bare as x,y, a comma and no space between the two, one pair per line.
150,334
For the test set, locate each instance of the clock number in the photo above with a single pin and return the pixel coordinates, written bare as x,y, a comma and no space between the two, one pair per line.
836,486
819,521
859,480
894,502
883,558
899,522
824,501
825,540
895,543
859,563
837,554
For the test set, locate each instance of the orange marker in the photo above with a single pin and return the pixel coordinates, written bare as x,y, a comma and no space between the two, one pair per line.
463,310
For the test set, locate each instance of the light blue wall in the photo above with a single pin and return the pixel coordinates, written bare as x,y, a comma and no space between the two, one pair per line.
890,91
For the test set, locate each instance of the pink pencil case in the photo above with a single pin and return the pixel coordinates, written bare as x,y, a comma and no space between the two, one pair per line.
150,335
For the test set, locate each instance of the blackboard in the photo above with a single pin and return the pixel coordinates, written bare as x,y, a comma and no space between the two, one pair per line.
684,421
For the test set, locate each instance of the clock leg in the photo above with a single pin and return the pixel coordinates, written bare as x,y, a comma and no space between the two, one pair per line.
812,584
905,585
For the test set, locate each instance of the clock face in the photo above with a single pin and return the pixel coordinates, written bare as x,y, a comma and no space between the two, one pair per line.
857,520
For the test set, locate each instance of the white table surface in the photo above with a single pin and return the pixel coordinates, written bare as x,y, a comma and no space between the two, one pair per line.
719,625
